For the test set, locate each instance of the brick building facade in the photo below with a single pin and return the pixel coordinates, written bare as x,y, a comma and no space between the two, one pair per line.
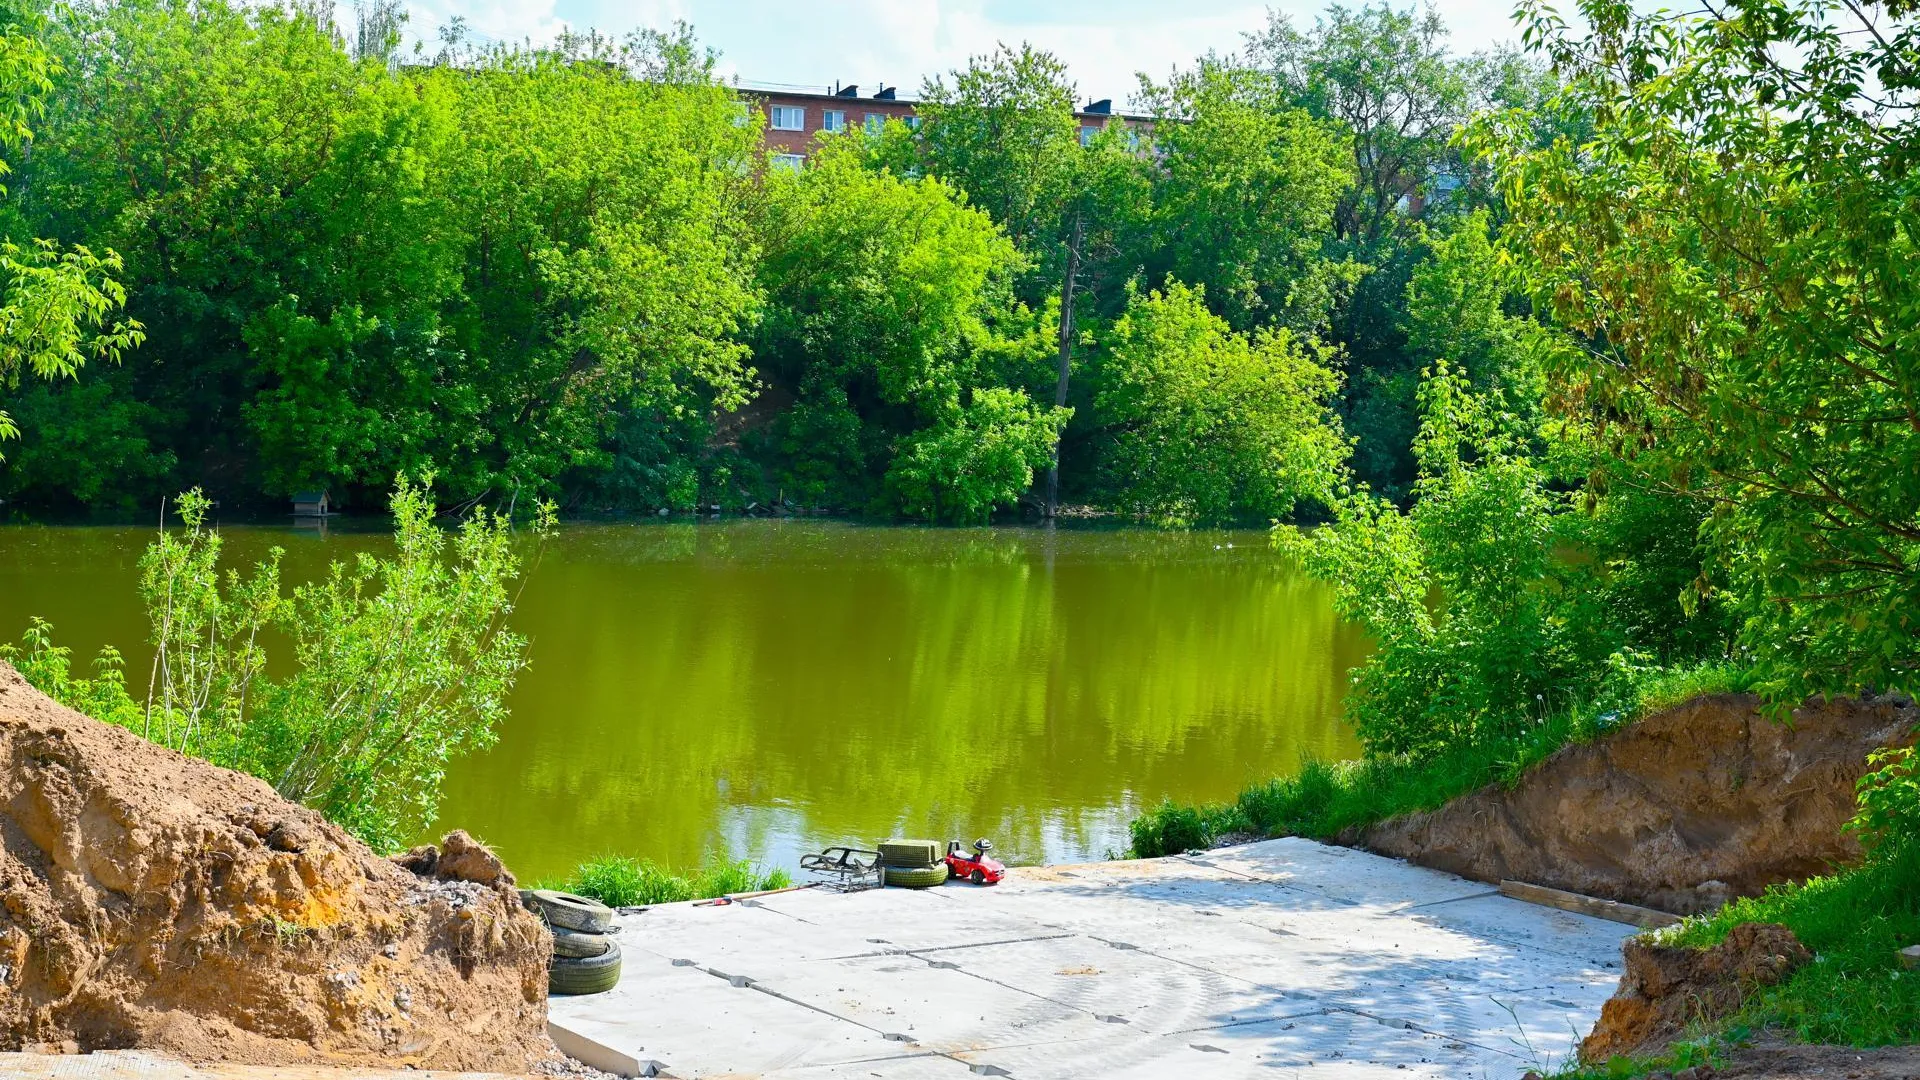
794,117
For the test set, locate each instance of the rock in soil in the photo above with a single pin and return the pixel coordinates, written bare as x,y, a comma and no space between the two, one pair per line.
1681,812
155,901
1665,988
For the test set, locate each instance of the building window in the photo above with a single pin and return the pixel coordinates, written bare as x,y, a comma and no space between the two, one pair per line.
789,118
876,123
833,120
1087,132
790,162
913,123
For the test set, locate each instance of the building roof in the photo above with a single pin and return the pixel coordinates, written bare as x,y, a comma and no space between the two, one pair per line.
850,94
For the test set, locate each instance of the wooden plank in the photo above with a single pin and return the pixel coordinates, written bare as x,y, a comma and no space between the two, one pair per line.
1612,910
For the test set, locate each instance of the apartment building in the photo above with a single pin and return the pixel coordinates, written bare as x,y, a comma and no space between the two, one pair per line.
796,115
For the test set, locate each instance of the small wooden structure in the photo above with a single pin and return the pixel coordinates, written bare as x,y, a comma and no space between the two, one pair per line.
311,504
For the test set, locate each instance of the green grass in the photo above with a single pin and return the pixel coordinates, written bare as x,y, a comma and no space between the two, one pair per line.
621,881
1324,798
1854,993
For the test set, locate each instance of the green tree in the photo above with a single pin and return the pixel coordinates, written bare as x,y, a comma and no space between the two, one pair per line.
1003,131
525,270
967,462
1246,195
1212,426
1735,244
399,664
1390,80
890,313
57,307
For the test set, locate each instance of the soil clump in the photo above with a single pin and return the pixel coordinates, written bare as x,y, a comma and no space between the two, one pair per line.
1667,987
150,900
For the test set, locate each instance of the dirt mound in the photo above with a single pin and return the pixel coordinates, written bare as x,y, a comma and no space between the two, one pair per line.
151,900
1665,988
1681,811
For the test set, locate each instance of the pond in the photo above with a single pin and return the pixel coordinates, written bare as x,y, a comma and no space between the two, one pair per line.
769,687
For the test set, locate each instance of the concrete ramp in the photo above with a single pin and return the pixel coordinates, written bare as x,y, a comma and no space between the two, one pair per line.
1274,959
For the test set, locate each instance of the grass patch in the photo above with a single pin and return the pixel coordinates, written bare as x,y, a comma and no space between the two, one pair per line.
1326,798
622,881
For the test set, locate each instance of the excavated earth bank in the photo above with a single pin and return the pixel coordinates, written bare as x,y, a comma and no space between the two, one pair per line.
1681,812
1666,987
151,900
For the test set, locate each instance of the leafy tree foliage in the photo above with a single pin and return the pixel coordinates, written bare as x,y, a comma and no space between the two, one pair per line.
1246,195
57,308
1735,241
400,664
352,271
1003,131
890,314
1210,425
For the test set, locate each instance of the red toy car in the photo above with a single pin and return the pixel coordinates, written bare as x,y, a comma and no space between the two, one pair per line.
975,866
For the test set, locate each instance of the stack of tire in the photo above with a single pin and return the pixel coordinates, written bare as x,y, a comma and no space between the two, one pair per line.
912,864
586,959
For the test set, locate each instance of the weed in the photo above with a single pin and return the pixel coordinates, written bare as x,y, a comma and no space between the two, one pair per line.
622,881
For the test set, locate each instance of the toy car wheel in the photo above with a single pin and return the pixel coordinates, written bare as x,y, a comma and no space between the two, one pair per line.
979,877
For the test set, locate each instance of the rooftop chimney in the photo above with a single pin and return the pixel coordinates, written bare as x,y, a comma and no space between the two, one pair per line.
847,91
885,94
1102,107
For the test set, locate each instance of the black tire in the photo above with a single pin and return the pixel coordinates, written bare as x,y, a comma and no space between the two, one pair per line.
916,877
909,854
585,975
569,912
979,877
578,945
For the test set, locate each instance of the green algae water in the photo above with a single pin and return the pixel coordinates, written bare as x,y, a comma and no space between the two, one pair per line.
769,687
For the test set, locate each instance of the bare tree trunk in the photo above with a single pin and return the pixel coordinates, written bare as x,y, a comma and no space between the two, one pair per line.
1066,360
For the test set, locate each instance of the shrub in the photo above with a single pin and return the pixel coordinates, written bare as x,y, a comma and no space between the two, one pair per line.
620,881
1171,829
400,664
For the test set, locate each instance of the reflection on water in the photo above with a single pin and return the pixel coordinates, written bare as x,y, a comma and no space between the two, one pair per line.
770,687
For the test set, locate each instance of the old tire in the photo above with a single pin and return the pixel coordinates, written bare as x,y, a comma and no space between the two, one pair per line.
569,912
585,975
916,877
909,854
577,944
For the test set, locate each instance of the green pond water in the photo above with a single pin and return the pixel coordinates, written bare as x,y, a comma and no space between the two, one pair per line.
770,687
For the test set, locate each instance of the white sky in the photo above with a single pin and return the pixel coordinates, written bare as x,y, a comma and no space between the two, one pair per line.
1104,42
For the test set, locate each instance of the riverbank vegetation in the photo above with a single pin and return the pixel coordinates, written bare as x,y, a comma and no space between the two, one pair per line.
1682,447
564,271
622,881
389,669
1594,363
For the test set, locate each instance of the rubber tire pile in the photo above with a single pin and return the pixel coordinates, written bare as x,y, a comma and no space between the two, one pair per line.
586,959
912,864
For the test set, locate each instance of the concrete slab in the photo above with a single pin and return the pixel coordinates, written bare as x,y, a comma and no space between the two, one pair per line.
1283,955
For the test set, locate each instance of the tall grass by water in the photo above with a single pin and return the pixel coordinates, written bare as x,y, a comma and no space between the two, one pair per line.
1326,798
623,881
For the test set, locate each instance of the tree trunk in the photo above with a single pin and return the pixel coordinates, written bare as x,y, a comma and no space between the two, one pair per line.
1066,360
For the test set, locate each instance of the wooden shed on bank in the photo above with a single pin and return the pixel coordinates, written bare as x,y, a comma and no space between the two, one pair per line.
311,504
